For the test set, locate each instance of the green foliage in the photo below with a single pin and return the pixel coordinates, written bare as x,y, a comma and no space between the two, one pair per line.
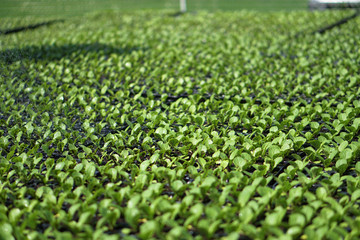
149,126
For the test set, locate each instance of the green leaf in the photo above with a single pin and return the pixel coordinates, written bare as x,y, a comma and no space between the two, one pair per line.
90,170
274,129
140,119
29,128
112,173
154,158
6,231
295,194
173,142
4,142
208,182
57,135
341,165
343,145
274,151
161,131
305,121
298,142
103,90
147,140
144,165
86,149
136,129
200,120
246,214
148,229
297,219
84,218
293,231
355,195
234,154
164,147
202,149
192,109
177,185
14,215
277,161
286,146
197,210
346,154
240,162
309,150
132,216
233,121
88,109
357,168
195,141
177,233
356,123
245,195
321,193
275,218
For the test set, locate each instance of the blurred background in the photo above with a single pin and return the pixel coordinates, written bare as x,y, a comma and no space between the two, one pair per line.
61,8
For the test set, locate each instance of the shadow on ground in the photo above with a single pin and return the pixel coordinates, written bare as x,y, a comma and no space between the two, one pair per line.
28,27
55,52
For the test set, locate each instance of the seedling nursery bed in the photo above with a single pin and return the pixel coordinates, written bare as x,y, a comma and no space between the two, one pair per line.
225,125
